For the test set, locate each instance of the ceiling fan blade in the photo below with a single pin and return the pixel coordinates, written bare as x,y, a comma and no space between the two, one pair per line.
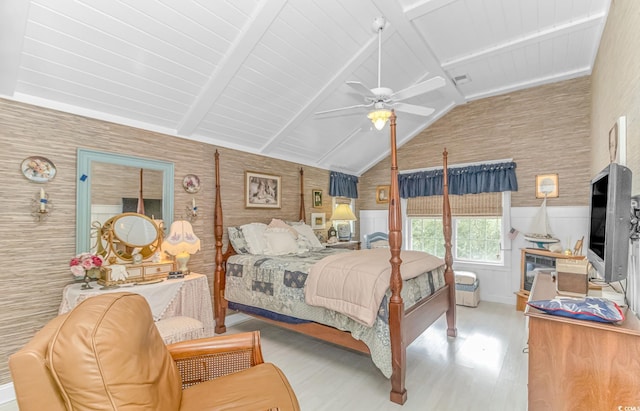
420,88
333,110
413,109
360,88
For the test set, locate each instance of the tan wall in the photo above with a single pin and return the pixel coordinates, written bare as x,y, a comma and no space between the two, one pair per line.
35,256
616,86
545,130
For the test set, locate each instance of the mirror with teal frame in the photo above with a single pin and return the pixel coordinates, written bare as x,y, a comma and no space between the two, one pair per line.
86,159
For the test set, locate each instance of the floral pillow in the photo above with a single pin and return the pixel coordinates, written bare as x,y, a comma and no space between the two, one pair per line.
236,238
589,308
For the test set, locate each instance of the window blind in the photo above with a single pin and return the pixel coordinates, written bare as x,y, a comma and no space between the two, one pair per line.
483,204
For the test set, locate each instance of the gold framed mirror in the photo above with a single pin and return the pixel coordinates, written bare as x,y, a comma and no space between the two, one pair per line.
127,234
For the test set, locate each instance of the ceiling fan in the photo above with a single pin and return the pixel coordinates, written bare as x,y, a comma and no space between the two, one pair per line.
383,99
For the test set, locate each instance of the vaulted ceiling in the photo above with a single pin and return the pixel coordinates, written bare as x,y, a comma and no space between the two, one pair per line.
251,74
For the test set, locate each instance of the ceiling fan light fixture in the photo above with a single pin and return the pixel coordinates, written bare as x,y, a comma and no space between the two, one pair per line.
379,118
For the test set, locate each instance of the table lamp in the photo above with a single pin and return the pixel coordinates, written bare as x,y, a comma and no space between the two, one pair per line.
343,213
181,243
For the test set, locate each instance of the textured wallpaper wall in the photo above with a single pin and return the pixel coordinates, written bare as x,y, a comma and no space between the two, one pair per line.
35,256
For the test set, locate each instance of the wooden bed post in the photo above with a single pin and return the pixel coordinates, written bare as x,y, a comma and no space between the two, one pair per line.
303,214
220,304
448,257
396,305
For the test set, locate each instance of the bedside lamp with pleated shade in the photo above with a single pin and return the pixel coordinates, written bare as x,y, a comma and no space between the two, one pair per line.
343,213
181,243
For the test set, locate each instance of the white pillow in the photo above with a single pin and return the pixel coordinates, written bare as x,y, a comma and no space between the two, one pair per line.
254,236
306,231
280,241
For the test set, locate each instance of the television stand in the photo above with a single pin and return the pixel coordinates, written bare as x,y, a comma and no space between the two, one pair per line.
539,259
580,364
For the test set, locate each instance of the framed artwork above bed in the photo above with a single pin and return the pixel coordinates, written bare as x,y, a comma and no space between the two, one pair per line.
318,221
262,190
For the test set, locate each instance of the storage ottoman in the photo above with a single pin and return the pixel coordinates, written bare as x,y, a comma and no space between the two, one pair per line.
467,291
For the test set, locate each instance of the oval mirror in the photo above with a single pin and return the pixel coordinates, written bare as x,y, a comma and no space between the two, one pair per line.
130,233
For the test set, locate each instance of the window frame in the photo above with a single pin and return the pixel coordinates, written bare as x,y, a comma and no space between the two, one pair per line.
505,239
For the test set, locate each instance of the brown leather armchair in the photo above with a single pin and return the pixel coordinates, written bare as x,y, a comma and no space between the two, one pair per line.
107,354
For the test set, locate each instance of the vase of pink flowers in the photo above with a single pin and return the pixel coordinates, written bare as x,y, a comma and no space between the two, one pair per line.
86,266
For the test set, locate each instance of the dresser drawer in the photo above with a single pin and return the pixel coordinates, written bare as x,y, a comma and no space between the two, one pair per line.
158,269
134,272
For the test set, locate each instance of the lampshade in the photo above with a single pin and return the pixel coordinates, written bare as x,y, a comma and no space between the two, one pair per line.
181,242
379,118
181,239
343,212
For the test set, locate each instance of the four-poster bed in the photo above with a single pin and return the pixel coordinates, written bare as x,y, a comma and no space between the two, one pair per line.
403,325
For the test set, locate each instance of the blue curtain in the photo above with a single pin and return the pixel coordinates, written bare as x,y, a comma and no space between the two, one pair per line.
343,185
474,179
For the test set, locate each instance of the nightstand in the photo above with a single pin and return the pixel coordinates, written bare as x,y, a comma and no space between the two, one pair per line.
350,245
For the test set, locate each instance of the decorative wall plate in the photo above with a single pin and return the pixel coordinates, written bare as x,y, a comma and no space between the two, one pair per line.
191,183
38,169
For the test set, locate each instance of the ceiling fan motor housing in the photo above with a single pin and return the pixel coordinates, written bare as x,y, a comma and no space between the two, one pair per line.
381,94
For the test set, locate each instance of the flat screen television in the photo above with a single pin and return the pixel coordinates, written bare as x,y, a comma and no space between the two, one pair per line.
610,222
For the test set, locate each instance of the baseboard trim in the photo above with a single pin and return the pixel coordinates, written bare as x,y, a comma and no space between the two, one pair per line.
7,393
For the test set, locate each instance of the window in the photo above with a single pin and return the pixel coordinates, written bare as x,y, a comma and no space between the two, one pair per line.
474,239
477,226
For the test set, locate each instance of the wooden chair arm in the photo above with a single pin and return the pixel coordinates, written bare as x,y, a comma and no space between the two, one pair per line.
208,358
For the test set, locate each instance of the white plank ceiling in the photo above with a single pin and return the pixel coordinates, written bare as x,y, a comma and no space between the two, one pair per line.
250,74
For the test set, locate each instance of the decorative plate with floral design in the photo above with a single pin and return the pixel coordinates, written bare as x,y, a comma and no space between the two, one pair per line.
38,169
191,183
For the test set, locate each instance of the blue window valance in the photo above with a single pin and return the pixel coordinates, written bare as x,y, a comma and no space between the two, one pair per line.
343,185
473,179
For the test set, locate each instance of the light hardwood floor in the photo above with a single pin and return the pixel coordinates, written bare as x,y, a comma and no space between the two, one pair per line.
484,368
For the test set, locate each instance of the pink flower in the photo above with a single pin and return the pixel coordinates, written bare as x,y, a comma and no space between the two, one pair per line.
84,262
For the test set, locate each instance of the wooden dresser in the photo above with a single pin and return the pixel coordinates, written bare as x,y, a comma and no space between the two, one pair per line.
579,364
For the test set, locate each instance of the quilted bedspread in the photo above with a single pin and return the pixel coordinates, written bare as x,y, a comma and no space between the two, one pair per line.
355,283
276,283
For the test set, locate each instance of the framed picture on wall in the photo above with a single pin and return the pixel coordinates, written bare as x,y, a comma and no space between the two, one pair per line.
618,141
382,194
318,221
262,190
316,196
547,186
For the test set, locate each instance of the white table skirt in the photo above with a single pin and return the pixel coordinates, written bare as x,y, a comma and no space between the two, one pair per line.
187,297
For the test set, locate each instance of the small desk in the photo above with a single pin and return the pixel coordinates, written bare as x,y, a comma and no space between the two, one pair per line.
189,297
579,364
